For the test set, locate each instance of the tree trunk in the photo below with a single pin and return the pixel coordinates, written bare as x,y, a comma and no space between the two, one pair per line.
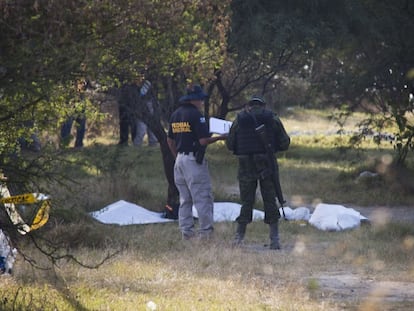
168,162
153,120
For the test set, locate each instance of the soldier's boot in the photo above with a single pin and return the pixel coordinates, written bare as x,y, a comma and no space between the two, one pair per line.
274,236
240,233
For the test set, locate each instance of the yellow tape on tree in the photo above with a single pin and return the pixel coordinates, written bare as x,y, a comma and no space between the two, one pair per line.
27,198
41,217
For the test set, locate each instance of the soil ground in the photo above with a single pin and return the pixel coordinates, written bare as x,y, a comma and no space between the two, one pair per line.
343,286
381,214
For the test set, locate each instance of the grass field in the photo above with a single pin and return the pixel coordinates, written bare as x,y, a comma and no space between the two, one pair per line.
153,269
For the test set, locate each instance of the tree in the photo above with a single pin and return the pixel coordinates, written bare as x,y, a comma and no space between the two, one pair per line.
46,46
270,43
44,52
350,52
170,43
373,66
44,49
388,63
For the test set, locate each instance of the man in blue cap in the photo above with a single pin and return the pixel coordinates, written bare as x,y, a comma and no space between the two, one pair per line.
188,135
254,165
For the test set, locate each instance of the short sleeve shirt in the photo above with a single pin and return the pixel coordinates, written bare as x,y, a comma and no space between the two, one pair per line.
187,126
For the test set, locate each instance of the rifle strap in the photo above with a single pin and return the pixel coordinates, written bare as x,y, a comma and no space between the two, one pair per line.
281,200
256,125
253,117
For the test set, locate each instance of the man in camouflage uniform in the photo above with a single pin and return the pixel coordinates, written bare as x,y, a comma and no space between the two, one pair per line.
254,164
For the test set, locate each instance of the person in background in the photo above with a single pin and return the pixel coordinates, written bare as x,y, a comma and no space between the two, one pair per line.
141,127
141,130
78,116
188,135
33,142
254,164
127,122
65,130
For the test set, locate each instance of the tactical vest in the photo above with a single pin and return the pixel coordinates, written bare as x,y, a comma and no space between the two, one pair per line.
247,140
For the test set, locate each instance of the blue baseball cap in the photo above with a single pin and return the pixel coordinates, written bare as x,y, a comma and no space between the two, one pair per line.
194,93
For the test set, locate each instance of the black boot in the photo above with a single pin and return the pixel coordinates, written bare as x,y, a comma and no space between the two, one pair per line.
274,236
240,232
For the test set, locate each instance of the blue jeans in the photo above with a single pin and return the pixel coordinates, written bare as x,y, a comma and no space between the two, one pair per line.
80,131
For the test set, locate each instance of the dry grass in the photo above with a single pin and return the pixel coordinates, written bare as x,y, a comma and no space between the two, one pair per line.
156,270
179,275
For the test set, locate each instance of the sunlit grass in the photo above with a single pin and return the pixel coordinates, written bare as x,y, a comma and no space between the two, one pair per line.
156,269
160,268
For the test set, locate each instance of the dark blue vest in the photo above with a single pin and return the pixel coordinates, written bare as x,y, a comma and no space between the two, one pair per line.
247,140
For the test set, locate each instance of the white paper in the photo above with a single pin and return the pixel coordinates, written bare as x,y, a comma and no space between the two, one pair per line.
219,126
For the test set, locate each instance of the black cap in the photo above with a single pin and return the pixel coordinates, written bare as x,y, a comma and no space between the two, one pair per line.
257,100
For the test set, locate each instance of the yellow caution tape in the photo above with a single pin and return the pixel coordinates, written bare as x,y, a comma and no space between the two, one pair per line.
12,212
41,217
27,198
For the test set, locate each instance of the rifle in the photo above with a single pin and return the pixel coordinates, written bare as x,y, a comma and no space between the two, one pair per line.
261,132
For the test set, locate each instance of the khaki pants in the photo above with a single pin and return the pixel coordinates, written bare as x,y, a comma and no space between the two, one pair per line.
194,185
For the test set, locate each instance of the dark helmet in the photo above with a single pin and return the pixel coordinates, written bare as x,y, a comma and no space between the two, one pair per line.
256,100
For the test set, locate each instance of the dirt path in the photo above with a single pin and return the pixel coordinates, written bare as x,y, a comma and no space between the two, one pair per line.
380,295
381,214
344,287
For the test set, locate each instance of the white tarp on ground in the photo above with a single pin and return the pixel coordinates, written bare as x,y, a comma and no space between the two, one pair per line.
327,217
228,211
126,213
334,217
300,213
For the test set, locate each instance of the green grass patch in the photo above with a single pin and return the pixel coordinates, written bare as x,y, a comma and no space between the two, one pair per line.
154,268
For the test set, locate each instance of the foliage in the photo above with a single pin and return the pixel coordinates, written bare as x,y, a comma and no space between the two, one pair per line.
371,70
294,26
274,48
44,49
48,47
356,53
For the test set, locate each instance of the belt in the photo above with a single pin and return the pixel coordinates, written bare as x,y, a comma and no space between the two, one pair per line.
187,153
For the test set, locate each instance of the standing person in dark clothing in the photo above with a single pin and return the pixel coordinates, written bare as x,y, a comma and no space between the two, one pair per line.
78,116
127,123
66,129
188,135
254,164
141,127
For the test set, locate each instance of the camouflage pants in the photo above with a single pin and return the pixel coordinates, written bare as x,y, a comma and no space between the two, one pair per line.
255,169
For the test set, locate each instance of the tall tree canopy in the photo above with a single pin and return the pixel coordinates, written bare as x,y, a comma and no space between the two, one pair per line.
348,52
375,66
47,46
352,49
